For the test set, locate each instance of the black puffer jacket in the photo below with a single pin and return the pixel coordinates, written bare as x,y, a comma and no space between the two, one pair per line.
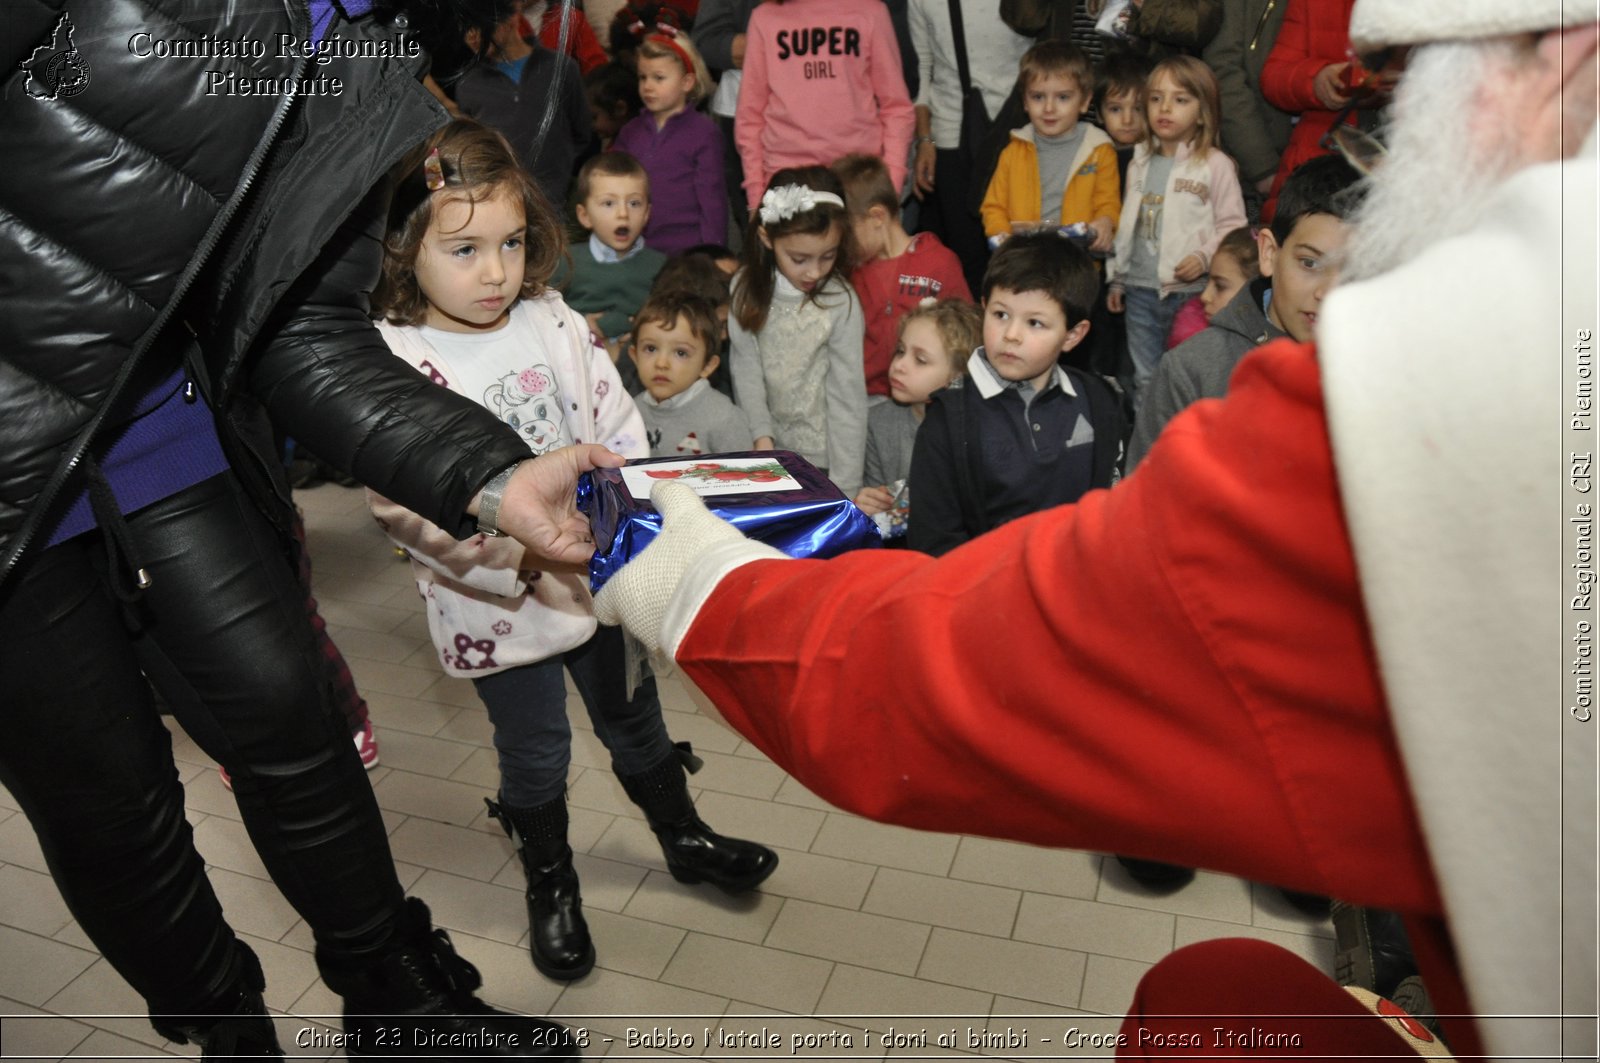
145,223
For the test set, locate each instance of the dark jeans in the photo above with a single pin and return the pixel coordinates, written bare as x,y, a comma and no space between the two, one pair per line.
222,633
528,706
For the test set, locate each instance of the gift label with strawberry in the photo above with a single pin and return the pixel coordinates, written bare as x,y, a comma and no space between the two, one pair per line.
713,476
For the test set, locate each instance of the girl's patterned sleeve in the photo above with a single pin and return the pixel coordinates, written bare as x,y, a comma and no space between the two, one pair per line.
616,418
846,391
1227,202
484,563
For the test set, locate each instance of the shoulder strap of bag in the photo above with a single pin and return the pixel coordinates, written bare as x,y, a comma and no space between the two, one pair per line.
958,35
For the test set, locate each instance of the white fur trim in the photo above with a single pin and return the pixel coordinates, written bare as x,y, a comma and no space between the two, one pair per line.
1444,385
1378,23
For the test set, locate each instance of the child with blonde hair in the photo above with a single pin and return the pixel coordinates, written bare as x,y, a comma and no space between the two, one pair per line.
1055,170
680,147
469,253
796,328
936,339
1182,198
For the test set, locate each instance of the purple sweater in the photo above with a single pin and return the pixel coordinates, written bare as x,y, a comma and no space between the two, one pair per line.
688,196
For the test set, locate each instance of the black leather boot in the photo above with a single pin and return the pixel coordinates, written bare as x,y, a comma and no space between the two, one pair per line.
237,1026
414,999
558,936
694,852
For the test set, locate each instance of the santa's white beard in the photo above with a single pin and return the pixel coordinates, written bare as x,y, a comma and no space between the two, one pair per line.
1447,156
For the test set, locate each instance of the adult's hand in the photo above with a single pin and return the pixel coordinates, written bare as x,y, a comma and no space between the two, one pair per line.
1328,86
923,169
540,507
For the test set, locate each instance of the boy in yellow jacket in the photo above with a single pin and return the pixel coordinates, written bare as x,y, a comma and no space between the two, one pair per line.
1056,170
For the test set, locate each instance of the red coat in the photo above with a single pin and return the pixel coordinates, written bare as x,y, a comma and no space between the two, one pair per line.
1315,33
1179,668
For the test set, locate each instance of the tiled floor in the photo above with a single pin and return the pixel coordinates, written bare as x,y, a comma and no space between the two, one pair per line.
870,941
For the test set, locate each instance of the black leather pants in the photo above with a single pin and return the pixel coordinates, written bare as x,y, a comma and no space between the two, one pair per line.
222,633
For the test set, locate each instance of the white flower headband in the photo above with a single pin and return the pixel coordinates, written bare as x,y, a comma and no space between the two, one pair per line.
781,204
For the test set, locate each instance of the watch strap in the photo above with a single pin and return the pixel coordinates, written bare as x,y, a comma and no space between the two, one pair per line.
489,500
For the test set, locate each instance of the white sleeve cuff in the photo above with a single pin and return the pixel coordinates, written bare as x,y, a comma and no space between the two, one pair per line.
700,579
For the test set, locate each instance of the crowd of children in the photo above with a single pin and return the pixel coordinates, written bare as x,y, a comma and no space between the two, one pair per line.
1124,281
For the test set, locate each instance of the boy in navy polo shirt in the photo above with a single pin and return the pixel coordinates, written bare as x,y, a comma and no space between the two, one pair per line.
1019,432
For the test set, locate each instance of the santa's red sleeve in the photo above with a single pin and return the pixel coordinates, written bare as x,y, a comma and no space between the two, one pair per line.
1178,668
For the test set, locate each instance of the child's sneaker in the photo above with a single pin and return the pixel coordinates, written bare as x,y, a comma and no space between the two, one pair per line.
366,747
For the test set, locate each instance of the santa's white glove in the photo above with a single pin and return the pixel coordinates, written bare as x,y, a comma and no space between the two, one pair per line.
644,596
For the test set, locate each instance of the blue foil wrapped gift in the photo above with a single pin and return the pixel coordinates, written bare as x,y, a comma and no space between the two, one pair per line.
772,496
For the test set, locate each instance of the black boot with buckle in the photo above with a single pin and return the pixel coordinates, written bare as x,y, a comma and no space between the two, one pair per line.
237,1026
558,936
414,998
694,852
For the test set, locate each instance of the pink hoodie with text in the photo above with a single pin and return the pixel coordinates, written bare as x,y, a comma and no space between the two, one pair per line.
821,79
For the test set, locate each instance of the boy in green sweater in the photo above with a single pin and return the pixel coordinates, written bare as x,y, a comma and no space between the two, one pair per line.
611,272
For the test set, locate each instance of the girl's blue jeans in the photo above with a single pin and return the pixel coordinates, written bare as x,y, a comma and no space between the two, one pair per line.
1148,316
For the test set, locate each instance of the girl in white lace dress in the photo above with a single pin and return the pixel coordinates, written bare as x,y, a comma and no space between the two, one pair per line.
796,328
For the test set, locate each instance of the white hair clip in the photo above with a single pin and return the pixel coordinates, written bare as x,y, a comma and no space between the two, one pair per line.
927,302
781,204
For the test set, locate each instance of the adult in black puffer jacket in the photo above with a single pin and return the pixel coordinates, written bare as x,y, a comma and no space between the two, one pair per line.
186,245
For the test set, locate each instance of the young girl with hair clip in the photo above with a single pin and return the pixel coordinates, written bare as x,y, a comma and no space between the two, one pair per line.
796,328
681,148
469,252
1181,198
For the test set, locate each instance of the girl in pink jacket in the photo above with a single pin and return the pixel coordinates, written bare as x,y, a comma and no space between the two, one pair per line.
821,80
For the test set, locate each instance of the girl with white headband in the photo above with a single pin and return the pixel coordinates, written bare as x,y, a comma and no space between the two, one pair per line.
796,328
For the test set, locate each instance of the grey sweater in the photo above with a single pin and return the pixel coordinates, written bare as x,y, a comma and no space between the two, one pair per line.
1199,367
701,420
891,432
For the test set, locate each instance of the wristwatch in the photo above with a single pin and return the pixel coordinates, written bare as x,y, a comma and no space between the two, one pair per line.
489,500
